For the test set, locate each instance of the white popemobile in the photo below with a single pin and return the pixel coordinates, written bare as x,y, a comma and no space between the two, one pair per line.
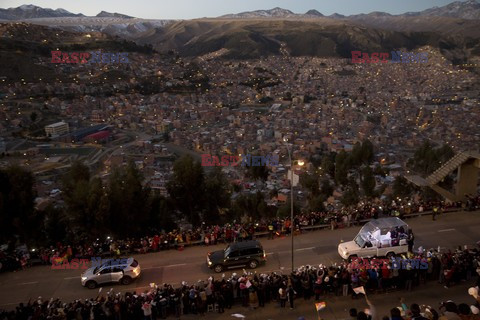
379,237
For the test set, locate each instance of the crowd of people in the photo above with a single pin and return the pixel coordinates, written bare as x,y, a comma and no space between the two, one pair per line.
231,232
256,290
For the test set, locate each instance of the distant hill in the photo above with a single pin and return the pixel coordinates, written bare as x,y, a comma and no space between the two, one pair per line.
313,12
104,14
253,38
31,12
31,43
469,10
337,16
453,28
272,13
459,9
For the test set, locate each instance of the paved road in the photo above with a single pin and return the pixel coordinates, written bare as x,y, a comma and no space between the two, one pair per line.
449,231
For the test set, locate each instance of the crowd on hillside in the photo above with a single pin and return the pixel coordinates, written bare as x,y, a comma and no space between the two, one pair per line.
231,232
255,290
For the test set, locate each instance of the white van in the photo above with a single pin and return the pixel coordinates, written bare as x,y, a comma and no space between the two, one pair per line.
379,237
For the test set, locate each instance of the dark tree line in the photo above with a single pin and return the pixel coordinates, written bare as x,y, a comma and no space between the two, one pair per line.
17,216
122,206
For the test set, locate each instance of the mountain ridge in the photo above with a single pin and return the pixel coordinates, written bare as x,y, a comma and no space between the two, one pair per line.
105,14
30,11
469,10
459,9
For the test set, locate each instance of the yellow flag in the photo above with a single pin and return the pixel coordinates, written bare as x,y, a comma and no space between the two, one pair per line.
320,305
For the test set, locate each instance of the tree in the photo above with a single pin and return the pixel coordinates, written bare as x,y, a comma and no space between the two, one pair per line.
316,203
187,187
84,198
78,172
16,204
368,182
350,195
55,224
251,205
128,202
161,214
401,187
237,187
328,165
380,171
310,182
285,210
355,157
362,153
33,116
367,153
326,188
341,168
217,195
166,137
427,159
258,172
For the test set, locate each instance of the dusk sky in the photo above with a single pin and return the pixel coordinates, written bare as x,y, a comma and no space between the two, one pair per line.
188,9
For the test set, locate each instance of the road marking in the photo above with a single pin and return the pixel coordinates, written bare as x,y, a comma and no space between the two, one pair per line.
445,230
29,283
169,266
270,253
69,278
302,249
176,265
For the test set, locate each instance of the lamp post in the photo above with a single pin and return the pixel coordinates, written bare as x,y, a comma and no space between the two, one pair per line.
291,198
292,224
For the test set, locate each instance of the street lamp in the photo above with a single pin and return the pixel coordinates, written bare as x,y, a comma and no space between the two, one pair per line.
300,163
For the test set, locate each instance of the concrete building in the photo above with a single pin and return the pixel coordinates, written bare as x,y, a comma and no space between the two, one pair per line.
466,163
56,129
296,177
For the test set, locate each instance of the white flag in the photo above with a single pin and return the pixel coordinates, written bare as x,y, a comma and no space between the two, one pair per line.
359,290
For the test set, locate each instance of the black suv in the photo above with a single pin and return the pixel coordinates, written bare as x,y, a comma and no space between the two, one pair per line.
238,254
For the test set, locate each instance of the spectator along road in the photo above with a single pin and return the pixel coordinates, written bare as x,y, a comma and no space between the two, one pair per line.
173,267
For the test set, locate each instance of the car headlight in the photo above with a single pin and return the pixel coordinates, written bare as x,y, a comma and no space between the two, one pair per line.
84,278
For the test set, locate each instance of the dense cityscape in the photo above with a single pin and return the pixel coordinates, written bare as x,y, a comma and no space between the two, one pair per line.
107,159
